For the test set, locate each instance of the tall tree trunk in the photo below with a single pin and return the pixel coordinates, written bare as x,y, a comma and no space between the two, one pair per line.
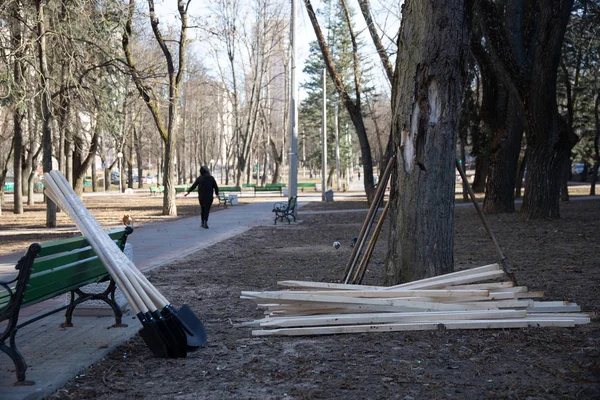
137,138
530,69
481,168
504,158
46,112
3,173
84,162
596,140
431,65
19,108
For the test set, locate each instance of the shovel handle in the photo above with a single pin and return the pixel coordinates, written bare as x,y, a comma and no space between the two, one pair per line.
58,188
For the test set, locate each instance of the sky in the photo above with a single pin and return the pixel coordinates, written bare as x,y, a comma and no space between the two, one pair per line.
166,10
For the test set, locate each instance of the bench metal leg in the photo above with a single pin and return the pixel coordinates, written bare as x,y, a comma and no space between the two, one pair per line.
17,358
108,296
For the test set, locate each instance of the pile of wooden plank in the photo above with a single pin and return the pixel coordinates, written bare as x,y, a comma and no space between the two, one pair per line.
469,299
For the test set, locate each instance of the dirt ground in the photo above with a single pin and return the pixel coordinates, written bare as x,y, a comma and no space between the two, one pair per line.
558,257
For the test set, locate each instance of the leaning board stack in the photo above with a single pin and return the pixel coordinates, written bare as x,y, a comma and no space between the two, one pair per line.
459,300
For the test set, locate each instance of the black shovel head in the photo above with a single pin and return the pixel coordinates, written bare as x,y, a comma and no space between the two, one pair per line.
172,335
190,323
152,337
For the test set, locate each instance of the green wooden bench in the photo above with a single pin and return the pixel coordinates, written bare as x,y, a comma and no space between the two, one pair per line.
270,187
48,270
182,188
248,186
303,186
285,210
156,189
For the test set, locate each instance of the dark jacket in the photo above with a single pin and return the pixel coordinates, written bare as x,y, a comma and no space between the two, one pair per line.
205,183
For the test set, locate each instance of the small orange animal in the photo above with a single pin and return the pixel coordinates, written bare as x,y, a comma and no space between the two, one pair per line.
128,220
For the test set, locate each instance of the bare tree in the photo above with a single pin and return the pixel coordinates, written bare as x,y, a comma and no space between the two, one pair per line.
175,74
45,103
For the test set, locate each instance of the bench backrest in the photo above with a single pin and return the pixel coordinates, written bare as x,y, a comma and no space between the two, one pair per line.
65,265
230,189
292,202
275,185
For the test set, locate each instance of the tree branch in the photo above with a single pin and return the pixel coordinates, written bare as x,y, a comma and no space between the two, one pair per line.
365,8
354,53
145,91
327,57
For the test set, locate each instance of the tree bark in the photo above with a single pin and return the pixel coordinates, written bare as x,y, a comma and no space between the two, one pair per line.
504,158
431,66
46,112
596,140
530,70
19,108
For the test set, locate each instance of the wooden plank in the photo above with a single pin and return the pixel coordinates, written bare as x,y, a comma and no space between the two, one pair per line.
571,307
500,304
328,285
445,293
341,300
558,303
579,318
378,318
529,295
424,283
414,284
469,324
457,280
352,308
488,286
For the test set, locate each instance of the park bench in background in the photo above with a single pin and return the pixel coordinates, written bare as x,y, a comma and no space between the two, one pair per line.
248,187
311,186
224,192
48,270
182,188
285,210
270,187
156,190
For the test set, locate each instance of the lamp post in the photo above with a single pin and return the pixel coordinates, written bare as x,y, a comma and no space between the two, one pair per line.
293,162
120,159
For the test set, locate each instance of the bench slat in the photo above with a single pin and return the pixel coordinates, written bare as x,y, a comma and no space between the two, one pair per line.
60,246
61,279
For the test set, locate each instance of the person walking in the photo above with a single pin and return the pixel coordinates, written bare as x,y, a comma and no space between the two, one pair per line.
205,183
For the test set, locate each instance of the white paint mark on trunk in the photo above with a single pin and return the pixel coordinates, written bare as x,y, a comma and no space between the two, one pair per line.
435,103
408,139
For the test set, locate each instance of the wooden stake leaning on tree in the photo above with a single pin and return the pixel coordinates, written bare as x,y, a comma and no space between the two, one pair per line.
362,268
503,260
366,227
